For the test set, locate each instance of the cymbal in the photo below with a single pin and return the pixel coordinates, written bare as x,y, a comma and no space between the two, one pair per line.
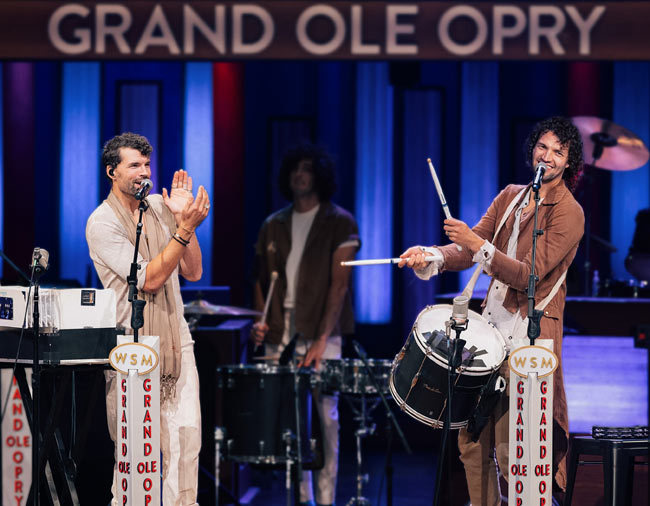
203,307
609,146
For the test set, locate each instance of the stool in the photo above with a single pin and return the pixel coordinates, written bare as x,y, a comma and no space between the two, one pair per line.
617,472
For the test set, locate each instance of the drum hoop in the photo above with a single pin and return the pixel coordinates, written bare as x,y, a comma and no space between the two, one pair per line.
431,422
271,369
469,371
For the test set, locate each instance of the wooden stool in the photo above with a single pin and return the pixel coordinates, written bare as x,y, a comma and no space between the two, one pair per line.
617,455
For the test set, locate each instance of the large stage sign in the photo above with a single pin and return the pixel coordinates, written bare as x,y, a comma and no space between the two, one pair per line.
138,420
339,30
16,442
530,481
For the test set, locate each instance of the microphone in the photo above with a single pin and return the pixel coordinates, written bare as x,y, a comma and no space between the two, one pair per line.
40,260
145,188
460,310
539,174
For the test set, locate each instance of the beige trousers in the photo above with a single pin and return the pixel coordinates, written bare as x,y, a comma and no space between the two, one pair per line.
486,458
180,434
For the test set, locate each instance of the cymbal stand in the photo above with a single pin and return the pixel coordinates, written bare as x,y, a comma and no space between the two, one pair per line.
362,417
601,141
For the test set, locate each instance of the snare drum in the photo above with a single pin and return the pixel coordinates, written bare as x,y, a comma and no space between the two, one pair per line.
418,381
350,376
258,406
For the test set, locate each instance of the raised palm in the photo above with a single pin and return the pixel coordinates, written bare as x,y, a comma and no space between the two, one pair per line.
181,192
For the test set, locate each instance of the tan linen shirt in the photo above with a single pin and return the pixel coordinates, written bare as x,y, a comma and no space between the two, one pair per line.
112,254
562,220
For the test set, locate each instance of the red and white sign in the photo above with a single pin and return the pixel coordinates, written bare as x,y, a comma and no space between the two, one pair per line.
531,424
16,444
138,420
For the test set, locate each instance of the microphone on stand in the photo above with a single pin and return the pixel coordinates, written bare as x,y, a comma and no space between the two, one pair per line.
145,188
40,260
459,312
540,169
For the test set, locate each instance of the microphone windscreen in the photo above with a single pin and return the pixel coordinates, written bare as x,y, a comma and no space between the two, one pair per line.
460,308
44,261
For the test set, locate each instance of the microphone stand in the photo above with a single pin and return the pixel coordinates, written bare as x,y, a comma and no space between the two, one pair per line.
37,270
534,315
455,357
392,422
137,305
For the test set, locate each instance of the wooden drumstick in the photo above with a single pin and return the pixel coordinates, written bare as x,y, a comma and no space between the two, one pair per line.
267,302
443,201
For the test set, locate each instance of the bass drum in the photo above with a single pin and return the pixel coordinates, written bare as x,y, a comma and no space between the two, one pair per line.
418,381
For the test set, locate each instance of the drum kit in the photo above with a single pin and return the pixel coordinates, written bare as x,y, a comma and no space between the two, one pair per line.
266,421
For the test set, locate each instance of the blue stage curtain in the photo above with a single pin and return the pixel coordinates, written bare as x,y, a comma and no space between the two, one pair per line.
80,172
630,190
479,153
422,213
139,107
374,191
198,153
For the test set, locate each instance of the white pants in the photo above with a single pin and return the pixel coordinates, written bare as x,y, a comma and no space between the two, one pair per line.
180,434
323,481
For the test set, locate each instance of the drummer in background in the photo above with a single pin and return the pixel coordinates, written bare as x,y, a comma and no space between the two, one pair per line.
305,244
507,258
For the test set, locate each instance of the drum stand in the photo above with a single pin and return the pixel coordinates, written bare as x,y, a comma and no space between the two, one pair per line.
219,438
454,359
365,430
294,471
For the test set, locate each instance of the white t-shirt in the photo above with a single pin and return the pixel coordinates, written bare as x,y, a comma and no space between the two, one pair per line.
300,227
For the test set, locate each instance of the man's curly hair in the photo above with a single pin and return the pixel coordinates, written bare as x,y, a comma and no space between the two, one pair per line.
568,135
322,167
111,155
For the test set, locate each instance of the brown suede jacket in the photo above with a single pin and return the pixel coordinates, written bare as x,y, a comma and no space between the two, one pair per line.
332,227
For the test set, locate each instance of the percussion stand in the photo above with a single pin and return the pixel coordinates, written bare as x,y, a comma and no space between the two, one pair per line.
362,416
455,357
294,471
392,421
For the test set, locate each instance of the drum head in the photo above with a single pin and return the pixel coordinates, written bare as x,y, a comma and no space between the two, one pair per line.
484,341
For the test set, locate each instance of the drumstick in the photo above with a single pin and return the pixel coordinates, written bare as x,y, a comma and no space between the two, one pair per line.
443,201
267,303
380,261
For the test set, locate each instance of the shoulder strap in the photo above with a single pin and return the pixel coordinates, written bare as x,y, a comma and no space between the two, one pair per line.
552,293
469,289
